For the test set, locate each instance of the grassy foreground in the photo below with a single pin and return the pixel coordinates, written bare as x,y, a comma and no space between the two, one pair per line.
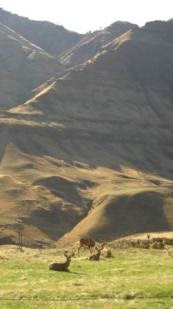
133,278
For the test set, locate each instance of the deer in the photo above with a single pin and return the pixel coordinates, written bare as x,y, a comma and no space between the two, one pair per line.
86,242
158,244
144,243
169,251
96,256
106,252
62,266
148,236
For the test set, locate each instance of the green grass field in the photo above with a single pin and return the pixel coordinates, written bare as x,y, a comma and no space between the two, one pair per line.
133,278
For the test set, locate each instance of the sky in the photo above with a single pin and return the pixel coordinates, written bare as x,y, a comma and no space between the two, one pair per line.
83,16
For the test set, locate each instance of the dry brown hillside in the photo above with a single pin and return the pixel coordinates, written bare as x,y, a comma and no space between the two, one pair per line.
91,152
128,203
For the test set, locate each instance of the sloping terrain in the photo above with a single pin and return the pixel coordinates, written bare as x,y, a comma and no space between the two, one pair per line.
117,109
91,152
132,202
93,43
49,196
52,38
23,67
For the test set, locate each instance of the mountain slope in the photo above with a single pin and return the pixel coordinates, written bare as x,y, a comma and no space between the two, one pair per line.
52,38
92,152
132,202
92,43
121,102
23,65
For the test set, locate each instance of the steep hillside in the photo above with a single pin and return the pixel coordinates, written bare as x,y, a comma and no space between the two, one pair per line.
23,66
120,102
92,151
161,29
93,43
52,38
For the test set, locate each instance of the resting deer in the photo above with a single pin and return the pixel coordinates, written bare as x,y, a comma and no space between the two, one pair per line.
106,252
62,266
158,244
86,242
169,251
96,256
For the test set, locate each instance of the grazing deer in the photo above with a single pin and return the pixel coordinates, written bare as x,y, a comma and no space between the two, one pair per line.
62,266
96,256
86,242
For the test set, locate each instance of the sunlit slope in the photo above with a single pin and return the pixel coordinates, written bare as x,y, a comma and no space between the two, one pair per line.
49,36
117,109
92,43
52,198
130,203
49,196
91,152
23,66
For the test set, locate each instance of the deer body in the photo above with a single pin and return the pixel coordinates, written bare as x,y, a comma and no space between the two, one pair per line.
61,266
96,256
86,242
106,252
160,244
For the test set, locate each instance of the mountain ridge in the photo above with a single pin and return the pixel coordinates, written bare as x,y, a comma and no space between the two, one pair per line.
52,38
24,66
90,44
90,153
